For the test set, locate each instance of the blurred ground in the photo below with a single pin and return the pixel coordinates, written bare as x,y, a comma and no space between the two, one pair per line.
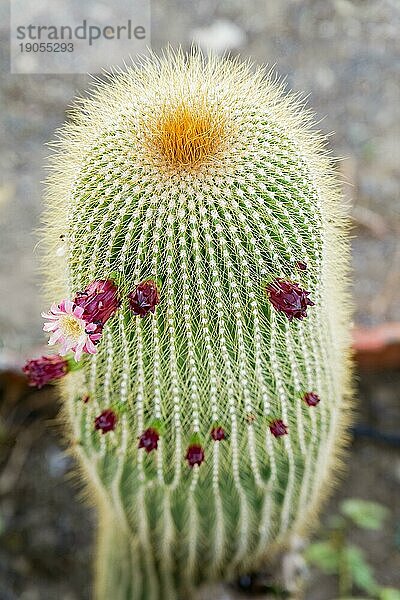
345,55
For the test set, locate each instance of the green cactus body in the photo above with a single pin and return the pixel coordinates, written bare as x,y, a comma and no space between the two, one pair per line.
202,176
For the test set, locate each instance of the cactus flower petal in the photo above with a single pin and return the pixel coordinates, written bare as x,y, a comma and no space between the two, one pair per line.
106,421
149,439
288,297
45,369
311,399
278,428
99,301
144,298
195,455
218,434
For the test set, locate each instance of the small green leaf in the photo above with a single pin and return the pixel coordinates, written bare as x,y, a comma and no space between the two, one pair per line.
387,593
360,570
368,515
336,522
73,365
324,556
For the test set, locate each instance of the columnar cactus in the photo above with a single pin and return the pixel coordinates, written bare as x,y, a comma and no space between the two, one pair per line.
197,256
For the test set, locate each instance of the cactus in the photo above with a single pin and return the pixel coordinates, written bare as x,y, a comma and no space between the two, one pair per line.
210,411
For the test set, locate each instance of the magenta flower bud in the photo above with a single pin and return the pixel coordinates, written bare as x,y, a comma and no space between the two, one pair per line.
311,398
278,428
99,301
144,298
45,369
195,455
218,434
289,298
106,421
302,266
149,439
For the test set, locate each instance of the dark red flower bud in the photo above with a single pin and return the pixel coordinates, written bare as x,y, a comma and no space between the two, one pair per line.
45,369
149,439
144,298
302,266
85,398
311,398
99,301
288,297
106,421
218,434
278,428
195,455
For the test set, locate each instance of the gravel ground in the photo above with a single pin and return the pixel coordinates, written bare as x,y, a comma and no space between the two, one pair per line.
345,55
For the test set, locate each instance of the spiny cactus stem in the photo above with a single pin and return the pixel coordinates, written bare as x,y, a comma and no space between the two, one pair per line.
203,264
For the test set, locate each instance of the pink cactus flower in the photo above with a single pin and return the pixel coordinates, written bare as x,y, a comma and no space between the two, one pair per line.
149,439
195,455
99,301
68,328
106,421
218,434
40,371
278,428
288,297
144,298
311,398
